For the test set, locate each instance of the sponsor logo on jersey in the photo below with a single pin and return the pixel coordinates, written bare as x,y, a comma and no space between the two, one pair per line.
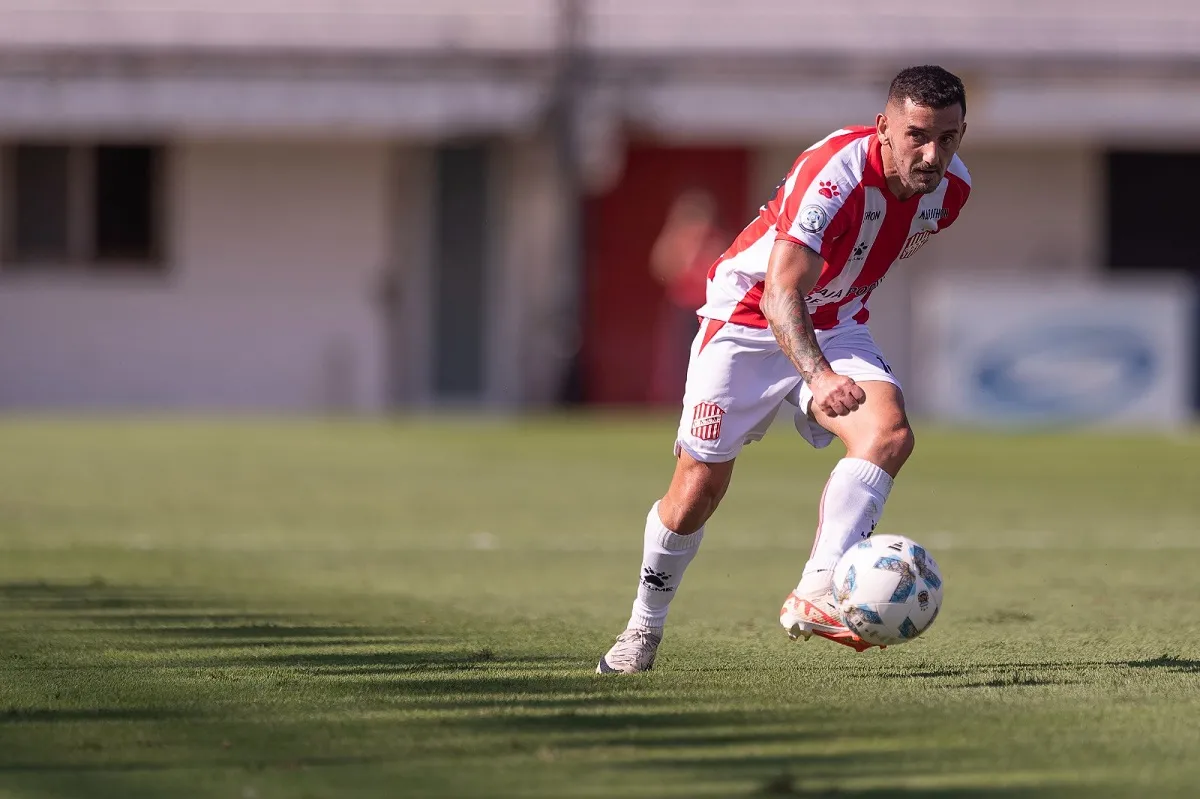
914,243
824,296
872,216
934,213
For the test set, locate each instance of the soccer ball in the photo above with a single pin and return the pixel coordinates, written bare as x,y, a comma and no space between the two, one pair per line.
888,589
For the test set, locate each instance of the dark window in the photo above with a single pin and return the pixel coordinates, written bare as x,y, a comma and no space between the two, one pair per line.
80,206
1150,215
460,271
40,203
1151,219
125,197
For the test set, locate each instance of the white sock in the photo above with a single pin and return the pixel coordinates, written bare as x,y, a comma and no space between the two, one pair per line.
850,508
665,555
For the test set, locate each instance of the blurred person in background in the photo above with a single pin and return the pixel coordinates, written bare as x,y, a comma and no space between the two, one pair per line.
690,241
784,322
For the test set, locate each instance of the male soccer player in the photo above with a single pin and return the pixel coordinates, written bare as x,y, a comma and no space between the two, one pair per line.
785,322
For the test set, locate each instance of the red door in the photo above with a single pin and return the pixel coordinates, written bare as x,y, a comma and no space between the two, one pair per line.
635,339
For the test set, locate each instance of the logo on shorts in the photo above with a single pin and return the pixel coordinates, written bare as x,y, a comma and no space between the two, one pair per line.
706,421
813,218
914,243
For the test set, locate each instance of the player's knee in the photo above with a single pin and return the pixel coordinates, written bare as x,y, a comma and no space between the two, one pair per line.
892,447
695,492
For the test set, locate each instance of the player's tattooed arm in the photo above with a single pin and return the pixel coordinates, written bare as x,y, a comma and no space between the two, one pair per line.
791,274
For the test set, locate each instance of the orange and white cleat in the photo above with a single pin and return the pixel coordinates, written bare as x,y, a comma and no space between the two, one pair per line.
804,617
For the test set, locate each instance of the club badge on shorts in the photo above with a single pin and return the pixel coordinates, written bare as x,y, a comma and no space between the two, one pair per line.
706,421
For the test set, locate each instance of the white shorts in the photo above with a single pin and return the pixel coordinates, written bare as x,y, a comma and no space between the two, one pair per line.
739,378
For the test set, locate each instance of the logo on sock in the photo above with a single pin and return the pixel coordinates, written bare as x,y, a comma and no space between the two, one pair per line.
706,421
655,580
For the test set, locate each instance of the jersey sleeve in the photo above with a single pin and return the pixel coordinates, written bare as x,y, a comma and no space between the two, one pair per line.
957,192
810,207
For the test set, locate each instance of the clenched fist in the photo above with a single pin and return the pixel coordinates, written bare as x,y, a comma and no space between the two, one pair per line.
836,395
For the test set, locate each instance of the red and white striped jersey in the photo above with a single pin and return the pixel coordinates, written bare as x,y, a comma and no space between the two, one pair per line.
835,201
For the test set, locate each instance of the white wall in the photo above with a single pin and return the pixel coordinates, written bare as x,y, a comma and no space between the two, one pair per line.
269,303
1032,209
535,328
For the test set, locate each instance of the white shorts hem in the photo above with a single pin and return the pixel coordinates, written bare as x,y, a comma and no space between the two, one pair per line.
703,457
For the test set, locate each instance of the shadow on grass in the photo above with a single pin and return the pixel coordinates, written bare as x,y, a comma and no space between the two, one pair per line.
111,670
39,715
1166,663
786,785
1016,675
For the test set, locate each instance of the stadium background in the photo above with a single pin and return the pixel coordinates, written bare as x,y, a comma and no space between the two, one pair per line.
293,298
380,206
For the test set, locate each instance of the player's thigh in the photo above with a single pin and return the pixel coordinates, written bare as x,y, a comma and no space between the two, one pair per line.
878,430
735,385
880,422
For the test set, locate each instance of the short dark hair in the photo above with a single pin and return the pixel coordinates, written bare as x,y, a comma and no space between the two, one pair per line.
929,86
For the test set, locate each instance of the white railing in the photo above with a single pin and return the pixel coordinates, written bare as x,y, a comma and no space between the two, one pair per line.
443,26
872,27
1095,28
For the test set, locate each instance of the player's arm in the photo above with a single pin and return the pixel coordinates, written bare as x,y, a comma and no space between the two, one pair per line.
792,272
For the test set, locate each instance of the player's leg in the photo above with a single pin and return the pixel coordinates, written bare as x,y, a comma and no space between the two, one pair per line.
674,530
878,440
733,390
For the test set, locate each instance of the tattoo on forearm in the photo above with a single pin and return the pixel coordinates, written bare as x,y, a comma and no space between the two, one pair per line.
793,328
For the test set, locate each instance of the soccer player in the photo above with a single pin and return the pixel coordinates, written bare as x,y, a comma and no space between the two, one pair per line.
785,322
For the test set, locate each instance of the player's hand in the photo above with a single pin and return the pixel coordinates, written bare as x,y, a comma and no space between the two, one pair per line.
836,395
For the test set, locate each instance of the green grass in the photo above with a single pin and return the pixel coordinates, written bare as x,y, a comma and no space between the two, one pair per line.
333,609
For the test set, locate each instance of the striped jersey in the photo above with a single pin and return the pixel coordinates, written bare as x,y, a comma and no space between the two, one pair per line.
835,200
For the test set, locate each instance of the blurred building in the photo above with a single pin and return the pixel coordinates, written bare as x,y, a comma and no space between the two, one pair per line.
384,203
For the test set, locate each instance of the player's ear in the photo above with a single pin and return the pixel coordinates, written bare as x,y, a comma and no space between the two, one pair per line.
881,127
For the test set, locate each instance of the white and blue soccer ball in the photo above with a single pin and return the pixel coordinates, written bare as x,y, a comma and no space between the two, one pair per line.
888,589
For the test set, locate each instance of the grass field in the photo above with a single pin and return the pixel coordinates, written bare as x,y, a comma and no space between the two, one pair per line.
335,609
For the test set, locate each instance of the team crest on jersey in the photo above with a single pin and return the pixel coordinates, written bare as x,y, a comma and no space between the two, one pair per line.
914,243
706,421
813,218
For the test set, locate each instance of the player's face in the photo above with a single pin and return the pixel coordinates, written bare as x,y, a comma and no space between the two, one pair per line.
922,142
